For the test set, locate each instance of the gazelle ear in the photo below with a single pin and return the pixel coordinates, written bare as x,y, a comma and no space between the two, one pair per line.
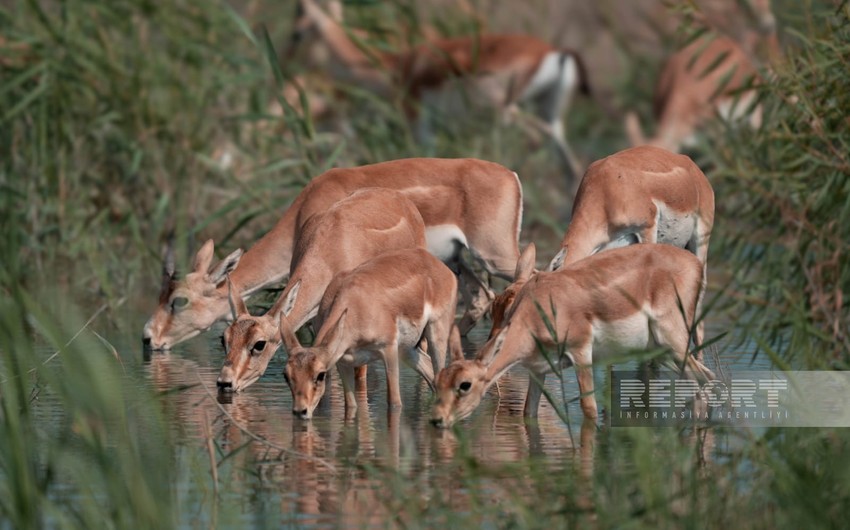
291,296
558,261
225,267
333,339
168,271
455,346
237,305
168,267
492,348
525,263
287,335
204,257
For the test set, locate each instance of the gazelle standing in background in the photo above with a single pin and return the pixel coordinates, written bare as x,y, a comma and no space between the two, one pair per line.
489,70
713,76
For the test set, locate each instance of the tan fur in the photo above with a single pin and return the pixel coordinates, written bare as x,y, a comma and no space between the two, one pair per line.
503,302
635,289
354,230
378,311
619,195
482,198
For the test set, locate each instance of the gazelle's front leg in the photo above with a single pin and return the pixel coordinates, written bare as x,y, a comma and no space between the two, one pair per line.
535,390
584,373
346,373
390,355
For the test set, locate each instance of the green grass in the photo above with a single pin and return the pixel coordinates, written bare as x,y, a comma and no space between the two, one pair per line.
112,115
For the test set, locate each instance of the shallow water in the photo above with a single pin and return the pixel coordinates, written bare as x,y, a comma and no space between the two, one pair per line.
322,473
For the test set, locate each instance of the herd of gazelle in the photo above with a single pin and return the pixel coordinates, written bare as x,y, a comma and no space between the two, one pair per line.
373,253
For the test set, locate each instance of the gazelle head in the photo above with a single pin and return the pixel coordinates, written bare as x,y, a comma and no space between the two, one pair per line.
307,368
192,304
503,302
460,387
250,342
463,383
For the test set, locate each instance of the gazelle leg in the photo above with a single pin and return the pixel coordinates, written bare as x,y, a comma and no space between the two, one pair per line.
360,374
584,374
346,373
532,397
391,363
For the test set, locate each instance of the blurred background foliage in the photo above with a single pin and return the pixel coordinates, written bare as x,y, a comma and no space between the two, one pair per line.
124,121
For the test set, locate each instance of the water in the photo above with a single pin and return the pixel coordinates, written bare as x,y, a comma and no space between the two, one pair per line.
328,472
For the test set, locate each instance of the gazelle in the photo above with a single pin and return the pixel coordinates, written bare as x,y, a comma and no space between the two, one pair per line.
610,302
495,70
464,203
713,76
356,229
378,311
640,195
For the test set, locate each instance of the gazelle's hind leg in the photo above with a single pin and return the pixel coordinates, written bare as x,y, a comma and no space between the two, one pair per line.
671,330
699,246
422,364
551,90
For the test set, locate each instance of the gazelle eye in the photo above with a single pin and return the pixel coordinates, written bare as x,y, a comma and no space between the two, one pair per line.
320,377
179,303
464,387
223,343
286,377
259,345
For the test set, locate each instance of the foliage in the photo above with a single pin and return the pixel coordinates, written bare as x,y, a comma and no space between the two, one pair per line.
784,220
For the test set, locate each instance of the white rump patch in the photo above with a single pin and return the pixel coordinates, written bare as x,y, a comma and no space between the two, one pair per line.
554,69
674,227
443,241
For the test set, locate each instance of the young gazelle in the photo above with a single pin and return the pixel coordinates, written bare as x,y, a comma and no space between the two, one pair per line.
378,311
493,70
611,302
464,203
639,195
354,230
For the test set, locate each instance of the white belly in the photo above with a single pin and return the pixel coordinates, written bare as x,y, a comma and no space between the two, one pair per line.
620,336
